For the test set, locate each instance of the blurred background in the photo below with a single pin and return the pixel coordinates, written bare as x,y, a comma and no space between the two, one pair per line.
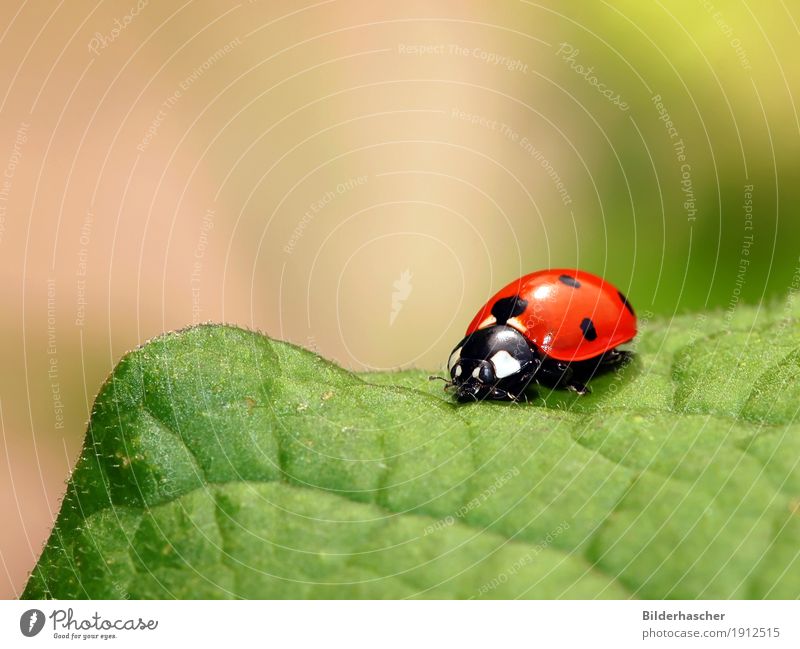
358,177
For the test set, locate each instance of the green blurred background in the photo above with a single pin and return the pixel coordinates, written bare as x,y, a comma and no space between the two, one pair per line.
359,177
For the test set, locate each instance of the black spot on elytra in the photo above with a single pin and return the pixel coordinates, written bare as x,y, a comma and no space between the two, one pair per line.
508,307
587,327
626,303
569,281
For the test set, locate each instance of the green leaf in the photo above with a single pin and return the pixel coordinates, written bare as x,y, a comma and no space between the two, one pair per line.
220,463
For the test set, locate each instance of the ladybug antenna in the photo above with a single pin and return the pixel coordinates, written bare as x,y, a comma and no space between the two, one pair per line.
441,378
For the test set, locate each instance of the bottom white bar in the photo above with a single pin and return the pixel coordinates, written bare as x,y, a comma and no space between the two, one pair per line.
372,624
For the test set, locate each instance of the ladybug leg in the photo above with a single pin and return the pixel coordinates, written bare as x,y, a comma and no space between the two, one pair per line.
516,392
553,374
583,371
505,395
577,388
560,374
614,358
610,361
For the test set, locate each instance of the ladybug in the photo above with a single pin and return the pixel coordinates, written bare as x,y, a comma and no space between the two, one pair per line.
555,327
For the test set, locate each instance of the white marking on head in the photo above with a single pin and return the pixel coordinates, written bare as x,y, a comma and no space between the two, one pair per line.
459,371
454,358
505,364
476,372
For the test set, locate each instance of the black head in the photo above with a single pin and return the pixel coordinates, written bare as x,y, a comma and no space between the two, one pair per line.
492,363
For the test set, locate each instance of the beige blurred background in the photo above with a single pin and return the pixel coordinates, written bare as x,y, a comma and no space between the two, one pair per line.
357,177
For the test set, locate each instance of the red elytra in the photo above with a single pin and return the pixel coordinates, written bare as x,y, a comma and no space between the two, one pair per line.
569,314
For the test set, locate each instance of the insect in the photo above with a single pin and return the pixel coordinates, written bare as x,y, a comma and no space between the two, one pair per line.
555,327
